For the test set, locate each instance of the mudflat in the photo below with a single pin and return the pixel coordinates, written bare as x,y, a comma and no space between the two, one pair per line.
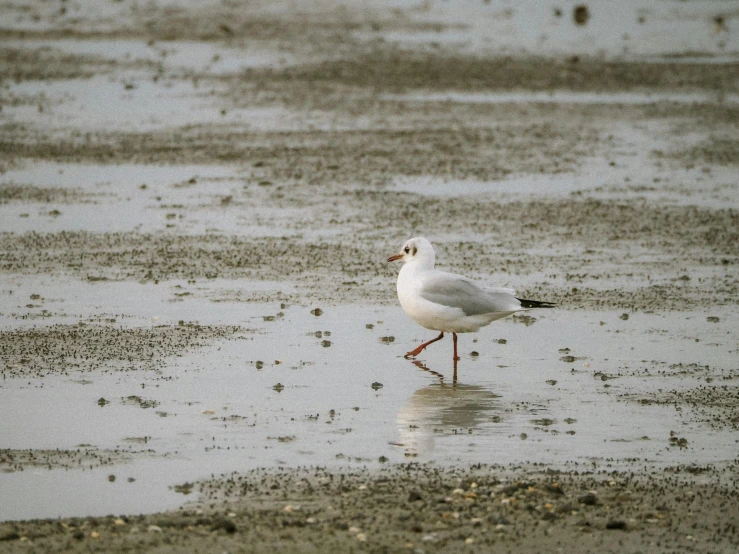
197,323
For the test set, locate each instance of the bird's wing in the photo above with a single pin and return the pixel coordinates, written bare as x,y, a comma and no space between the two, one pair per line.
457,291
504,290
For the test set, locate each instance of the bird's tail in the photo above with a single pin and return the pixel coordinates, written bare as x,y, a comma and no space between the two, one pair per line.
535,303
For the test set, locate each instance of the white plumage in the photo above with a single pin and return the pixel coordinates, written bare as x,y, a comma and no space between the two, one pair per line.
448,302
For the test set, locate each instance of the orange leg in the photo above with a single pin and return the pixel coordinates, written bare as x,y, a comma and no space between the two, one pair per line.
454,336
418,350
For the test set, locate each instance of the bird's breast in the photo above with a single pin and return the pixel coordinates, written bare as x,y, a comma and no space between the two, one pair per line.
425,313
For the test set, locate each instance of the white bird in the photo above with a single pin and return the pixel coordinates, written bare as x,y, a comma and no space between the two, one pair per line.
447,302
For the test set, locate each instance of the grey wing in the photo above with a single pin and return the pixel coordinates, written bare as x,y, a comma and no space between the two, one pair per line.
456,291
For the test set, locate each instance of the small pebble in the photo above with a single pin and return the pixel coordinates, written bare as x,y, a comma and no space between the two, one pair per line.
589,499
224,524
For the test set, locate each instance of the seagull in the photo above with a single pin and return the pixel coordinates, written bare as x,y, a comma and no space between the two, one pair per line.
447,302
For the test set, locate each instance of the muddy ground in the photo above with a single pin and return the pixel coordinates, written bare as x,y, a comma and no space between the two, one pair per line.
416,509
300,148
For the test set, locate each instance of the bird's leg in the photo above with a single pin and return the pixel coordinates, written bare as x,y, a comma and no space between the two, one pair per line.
456,358
418,350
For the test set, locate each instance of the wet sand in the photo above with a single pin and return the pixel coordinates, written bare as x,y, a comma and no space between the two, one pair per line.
416,509
182,187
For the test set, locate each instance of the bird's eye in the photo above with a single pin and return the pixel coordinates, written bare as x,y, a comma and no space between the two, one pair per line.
406,250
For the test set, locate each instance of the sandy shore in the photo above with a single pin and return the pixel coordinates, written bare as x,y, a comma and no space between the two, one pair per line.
416,509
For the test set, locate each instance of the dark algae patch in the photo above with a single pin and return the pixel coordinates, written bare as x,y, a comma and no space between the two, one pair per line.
84,457
23,64
393,69
64,349
366,155
11,192
715,404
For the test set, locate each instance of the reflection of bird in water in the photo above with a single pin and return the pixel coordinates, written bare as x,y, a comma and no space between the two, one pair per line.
443,409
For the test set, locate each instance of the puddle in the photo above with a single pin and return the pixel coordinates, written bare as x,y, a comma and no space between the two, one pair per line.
566,97
637,28
629,169
117,200
133,102
203,57
116,178
334,390
189,199
596,179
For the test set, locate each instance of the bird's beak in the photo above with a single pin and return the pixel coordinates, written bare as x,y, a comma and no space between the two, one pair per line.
393,258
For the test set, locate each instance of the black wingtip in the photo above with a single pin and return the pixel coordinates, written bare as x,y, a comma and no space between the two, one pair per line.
535,303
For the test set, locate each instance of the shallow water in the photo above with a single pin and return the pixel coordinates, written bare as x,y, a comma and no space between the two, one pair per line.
348,398
565,97
133,101
124,197
210,58
627,170
634,28
514,403
187,199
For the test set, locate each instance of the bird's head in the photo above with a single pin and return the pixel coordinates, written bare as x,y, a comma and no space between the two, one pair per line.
417,250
